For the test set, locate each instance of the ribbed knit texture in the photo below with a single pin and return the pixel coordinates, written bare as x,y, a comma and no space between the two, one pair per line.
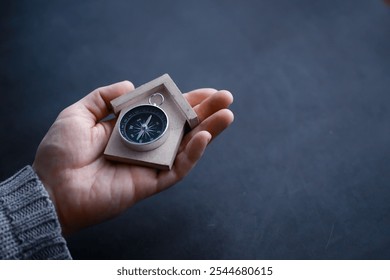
29,227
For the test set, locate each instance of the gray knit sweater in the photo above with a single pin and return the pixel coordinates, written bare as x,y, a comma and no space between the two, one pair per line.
29,227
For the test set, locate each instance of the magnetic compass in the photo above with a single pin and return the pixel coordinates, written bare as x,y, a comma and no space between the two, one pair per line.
145,127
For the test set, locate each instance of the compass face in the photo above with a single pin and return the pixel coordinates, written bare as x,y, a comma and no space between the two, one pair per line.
143,125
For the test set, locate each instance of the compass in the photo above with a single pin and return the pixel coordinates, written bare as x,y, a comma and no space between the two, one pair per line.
145,127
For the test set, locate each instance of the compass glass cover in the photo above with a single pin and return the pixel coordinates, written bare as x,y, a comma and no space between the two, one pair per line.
143,124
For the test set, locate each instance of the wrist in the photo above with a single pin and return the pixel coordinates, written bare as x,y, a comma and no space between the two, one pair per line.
49,189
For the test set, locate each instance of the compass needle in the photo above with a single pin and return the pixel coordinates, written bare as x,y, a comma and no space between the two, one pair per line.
139,135
148,120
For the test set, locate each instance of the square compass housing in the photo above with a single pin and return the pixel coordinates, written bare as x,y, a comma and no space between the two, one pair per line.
151,124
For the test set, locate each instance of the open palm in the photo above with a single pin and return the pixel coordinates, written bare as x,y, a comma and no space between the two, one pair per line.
85,187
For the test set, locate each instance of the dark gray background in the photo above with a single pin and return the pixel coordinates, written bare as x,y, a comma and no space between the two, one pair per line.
303,173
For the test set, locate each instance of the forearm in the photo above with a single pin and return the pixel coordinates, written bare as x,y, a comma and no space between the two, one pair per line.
29,227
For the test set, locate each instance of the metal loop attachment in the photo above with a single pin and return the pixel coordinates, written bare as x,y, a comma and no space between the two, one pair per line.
156,96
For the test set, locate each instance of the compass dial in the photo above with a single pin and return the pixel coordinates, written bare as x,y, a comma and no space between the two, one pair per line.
144,127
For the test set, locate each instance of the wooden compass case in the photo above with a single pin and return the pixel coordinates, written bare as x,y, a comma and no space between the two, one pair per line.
180,115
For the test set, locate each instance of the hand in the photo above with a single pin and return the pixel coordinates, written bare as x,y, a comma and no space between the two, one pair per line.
85,187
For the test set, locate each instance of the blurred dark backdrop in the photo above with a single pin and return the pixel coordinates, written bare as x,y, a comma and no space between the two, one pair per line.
303,173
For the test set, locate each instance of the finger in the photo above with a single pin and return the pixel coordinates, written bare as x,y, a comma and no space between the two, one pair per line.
185,160
219,100
214,125
217,123
97,102
197,96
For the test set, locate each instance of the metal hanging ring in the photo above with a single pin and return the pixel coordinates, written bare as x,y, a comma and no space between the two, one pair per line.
153,96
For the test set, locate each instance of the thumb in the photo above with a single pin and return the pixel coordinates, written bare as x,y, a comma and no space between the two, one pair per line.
97,102
95,106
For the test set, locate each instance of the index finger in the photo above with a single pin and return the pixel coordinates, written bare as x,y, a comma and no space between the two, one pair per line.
219,100
196,96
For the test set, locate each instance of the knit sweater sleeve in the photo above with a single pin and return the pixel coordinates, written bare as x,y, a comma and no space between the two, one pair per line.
29,226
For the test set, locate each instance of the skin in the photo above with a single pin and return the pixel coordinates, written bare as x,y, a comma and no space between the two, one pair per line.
86,188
